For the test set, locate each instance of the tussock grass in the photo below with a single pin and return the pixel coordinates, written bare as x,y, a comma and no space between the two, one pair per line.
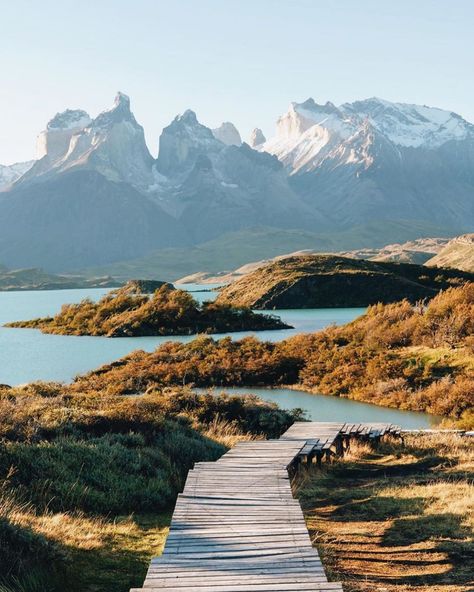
88,480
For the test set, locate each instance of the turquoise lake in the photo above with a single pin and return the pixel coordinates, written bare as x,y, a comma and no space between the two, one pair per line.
27,354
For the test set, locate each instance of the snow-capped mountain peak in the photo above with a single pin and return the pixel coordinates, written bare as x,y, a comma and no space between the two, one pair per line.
54,140
411,125
309,133
113,144
305,130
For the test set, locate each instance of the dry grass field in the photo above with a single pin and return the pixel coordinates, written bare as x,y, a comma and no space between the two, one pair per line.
399,518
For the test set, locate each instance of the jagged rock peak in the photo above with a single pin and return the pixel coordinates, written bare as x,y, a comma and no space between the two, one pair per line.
257,137
54,140
182,141
69,119
119,112
310,105
228,134
188,117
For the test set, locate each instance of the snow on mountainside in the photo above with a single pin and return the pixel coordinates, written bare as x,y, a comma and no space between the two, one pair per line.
54,141
309,133
373,162
10,173
411,125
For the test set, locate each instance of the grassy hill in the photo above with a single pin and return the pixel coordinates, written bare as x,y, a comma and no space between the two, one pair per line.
312,281
458,254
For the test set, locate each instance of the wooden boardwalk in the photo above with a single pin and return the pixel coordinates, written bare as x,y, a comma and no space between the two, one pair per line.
236,526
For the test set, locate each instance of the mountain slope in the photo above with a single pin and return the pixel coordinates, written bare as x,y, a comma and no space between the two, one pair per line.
10,173
374,160
213,188
80,218
458,254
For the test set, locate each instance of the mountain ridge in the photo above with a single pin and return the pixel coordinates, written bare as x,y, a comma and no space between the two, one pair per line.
330,170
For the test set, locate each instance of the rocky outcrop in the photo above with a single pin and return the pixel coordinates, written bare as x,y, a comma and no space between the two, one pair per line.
53,142
319,281
257,138
182,143
228,134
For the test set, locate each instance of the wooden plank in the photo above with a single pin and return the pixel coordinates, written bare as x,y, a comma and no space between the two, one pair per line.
237,528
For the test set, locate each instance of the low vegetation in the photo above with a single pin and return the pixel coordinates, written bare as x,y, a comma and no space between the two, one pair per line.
415,357
128,313
397,518
87,481
313,281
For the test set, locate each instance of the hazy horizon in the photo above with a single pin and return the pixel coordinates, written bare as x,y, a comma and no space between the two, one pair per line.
242,62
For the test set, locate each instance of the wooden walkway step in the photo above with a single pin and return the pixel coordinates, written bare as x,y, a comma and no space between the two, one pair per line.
237,528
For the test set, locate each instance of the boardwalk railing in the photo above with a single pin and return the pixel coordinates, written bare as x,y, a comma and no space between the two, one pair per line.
236,526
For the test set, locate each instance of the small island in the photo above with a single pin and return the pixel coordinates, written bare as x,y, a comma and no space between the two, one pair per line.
133,311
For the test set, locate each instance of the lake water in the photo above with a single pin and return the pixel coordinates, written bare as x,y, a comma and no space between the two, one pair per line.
28,354
325,408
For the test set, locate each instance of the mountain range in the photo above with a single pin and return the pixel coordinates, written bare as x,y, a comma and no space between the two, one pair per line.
359,175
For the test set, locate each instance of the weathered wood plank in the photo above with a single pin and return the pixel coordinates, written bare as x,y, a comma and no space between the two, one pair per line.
236,526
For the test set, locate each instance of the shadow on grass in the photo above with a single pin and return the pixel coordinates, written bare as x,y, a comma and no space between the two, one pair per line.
405,546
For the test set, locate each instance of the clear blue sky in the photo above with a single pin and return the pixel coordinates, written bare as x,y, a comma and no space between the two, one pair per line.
236,60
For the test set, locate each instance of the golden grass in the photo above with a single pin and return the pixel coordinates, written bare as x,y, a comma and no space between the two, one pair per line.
103,554
457,357
397,519
227,433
